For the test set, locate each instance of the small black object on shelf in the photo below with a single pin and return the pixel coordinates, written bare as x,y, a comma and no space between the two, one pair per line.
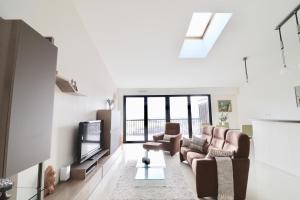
146,160
5,185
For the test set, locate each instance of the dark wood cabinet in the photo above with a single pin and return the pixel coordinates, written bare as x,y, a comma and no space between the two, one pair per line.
112,137
27,81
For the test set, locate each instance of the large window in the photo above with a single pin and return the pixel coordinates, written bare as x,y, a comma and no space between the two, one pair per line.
145,116
156,115
179,113
135,113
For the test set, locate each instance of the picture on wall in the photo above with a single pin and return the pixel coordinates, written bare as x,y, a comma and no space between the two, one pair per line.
224,106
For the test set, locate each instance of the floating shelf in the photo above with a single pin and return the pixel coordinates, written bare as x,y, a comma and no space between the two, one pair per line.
65,86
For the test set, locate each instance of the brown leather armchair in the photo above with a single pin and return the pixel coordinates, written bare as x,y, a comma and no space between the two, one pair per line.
172,145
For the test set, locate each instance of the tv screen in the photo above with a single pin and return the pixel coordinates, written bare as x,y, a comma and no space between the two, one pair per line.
90,139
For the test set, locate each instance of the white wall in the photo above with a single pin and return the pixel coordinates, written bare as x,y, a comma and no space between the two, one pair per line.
270,94
78,59
274,149
228,93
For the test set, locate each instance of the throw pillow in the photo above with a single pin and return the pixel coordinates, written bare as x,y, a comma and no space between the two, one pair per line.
168,137
186,142
219,153
196,139
198,143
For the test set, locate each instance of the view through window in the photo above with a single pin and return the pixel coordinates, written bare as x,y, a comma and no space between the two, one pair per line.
146,116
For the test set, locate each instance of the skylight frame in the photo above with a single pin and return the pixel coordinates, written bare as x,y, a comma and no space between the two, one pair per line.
196,47
202,21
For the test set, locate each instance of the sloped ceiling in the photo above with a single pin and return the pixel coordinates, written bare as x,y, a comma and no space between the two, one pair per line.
140,41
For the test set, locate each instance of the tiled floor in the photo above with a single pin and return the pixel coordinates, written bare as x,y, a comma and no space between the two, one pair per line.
265,182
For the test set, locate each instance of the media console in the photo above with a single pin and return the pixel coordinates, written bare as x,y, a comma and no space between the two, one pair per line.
81,170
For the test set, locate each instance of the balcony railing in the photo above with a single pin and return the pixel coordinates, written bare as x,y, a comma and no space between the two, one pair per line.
136,127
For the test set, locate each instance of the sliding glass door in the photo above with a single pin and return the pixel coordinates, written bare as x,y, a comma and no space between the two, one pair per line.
179,113
200,112
135,123
145,116
156,116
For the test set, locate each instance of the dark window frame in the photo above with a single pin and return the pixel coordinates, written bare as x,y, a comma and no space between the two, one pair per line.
167,109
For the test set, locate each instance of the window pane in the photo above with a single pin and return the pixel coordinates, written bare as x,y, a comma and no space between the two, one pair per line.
156,116
135,119
179,113
200,112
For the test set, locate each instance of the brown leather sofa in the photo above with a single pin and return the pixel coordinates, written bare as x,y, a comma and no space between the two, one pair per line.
173,146
205,169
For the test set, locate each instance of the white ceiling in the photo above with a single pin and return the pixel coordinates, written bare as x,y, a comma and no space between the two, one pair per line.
139,41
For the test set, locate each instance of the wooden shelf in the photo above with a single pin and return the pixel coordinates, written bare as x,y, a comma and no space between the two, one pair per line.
81,189
65,86
81,170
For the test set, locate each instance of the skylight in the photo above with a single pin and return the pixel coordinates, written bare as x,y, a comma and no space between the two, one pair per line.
199,24
203,32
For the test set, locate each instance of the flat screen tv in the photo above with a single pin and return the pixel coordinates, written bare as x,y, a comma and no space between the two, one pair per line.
89,139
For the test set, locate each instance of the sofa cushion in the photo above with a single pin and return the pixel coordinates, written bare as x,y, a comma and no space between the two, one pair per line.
198,144
186,142
218,139
193,155
237,142
184,151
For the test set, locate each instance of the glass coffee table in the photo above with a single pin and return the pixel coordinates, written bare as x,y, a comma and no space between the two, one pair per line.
155,170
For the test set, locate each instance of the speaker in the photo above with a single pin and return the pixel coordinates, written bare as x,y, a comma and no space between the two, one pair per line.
64,173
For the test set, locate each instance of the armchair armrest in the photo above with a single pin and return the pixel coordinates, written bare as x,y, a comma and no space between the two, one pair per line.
174,139
175,144
207,177
157,137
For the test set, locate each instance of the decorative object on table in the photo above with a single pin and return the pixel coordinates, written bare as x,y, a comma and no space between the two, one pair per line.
297,93
110,103
146,160
224,106
246,69
5,185
49,183
223,118
279,26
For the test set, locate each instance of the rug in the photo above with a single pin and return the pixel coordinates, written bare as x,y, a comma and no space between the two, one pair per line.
174,187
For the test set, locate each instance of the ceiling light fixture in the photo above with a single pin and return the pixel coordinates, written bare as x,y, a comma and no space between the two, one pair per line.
282,49
298,26
279,26
246,69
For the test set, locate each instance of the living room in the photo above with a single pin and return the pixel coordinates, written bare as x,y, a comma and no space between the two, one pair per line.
138,52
